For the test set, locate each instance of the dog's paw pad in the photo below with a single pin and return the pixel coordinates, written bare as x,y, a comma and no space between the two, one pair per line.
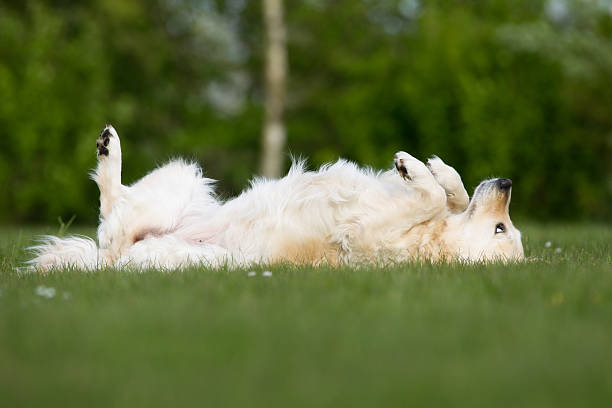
104,140
401,168
434,164
403,163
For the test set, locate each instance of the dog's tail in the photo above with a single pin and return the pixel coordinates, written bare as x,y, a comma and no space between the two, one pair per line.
70,252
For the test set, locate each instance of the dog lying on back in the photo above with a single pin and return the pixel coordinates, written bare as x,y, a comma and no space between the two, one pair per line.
340,214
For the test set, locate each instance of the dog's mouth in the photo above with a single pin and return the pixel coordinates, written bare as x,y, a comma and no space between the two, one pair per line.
492,195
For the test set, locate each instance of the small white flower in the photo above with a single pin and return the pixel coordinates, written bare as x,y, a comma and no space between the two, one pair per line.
67,295
267,274
45,292
548,244
252,273
557,250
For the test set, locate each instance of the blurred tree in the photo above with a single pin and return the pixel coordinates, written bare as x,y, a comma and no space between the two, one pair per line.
274,137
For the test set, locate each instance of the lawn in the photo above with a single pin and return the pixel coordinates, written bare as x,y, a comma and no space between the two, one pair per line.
536,334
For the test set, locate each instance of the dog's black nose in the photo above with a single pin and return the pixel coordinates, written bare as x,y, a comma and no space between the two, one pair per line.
504,184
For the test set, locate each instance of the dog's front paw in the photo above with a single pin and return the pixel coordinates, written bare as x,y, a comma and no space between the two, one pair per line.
450,181
443,173
407,166
104,140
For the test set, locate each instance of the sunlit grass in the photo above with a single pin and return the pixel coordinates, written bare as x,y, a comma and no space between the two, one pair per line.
533,334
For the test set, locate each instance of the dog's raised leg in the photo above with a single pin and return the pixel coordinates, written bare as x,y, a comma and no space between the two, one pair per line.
78,251
413,170
457,198
431,197
108,172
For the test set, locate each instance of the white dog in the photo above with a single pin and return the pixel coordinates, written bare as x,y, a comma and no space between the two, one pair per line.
340,214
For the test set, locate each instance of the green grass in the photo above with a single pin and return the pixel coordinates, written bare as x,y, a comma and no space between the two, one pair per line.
530,335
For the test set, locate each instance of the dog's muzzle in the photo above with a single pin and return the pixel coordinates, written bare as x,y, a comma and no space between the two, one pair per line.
503,184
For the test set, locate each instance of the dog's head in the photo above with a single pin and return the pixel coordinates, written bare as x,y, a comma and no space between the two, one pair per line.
486,232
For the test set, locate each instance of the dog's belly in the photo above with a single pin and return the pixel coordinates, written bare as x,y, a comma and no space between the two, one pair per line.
312,251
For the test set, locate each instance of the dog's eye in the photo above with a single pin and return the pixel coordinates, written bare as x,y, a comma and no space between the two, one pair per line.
499,228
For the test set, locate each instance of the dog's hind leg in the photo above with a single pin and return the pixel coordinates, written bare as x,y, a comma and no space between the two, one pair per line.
108,172
457,198
172,251
82,252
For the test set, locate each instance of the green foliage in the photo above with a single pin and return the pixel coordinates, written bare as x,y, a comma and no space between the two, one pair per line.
456,81
519,89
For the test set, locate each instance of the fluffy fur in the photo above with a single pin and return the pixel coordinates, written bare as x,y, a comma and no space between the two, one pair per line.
340,214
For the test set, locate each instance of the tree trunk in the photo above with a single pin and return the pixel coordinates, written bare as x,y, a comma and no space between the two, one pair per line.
274,137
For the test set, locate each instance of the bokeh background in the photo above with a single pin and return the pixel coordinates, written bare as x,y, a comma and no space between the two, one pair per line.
514,88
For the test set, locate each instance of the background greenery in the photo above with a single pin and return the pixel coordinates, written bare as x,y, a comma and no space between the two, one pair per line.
515,88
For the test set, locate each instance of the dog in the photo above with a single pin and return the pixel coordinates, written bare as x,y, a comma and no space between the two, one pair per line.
339,215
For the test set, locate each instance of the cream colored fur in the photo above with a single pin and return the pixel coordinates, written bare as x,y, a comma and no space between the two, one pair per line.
340,214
